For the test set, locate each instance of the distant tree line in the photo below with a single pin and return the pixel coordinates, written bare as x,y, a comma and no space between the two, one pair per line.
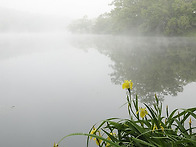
166,17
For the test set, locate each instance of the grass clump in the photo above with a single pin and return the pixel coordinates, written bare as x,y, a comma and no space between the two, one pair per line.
145,127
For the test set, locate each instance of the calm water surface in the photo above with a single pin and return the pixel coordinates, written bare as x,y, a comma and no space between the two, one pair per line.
55,84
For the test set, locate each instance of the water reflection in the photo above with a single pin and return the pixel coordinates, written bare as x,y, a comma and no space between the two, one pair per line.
57,88
155,65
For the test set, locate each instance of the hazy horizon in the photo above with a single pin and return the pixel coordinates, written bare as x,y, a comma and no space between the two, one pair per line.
70,9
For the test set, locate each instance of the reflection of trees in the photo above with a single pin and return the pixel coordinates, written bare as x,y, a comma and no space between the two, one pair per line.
155,65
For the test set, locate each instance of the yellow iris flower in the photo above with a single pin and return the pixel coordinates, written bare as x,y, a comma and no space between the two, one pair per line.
162,128
190,121
55,145
107,144
127,84
142,111
98,141
155,127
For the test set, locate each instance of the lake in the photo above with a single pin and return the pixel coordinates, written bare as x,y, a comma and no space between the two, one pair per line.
56,84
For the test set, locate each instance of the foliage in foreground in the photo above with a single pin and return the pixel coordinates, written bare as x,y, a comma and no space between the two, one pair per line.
146,126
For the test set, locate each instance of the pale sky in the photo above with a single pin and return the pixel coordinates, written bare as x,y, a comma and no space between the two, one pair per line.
69,8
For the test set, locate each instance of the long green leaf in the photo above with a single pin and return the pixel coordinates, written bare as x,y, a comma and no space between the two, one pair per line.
143,142
91,135
181,127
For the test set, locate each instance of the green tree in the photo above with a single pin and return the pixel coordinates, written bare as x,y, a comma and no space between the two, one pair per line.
83,25
169,17
103,24
162,17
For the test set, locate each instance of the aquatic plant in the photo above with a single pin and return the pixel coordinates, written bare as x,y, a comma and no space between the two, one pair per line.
145,126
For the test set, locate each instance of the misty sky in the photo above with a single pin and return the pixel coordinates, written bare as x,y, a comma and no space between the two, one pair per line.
69,8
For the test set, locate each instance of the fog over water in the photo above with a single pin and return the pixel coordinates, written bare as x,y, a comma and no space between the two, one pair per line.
50,89
54,83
